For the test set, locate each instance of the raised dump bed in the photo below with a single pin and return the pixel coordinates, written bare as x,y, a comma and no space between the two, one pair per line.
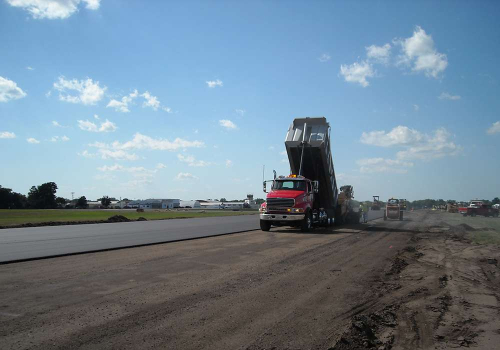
312,136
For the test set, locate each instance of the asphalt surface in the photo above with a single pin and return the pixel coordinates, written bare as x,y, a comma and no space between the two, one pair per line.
20,244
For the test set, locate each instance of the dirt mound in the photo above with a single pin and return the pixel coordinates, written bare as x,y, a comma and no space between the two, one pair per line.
118,218
397,266
465,227
142,219
364,329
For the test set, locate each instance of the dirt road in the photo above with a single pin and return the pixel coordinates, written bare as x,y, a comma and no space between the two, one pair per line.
413,284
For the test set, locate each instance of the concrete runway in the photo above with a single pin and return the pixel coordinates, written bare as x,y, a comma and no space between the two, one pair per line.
19,244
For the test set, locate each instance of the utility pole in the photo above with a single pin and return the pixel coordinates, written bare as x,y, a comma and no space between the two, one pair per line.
72,195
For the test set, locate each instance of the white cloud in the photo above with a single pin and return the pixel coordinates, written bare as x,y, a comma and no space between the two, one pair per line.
151,101
88,91
160,166
400,135
122,106
433,146
283,153
214,83
53,9
379,54
229,163
106,126
59,138
191,161
92,4
9,90
7,135
379,165
416,108
140,141
185,176
494,129
419,52
32,140
115,167
229,125
56,124
416,145
86,154
241,112
116,154
271,148
324,58
357,73
48,93
447,96
30,68
167,109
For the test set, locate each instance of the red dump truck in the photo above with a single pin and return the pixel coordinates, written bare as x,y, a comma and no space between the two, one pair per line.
478,208
309,196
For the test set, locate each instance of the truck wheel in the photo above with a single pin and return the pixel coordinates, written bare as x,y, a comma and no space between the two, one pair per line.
265,225
473,214
306,224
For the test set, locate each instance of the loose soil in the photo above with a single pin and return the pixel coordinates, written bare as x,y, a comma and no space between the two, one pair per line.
417,284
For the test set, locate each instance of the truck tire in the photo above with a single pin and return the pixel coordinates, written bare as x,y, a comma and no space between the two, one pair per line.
473,213
265,225
306,224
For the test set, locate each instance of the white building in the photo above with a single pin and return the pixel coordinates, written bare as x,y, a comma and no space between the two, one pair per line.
189,204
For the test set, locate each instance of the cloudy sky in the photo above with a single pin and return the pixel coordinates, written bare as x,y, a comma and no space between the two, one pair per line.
189,100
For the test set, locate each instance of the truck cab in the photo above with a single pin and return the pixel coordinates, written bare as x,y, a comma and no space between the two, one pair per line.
290,202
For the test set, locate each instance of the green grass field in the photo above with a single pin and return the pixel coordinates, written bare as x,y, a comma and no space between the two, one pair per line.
487,230
11,217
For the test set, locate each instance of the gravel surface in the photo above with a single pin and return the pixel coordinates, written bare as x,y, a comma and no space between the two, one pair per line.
419,283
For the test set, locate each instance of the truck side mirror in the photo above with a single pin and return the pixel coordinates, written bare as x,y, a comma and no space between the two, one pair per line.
315,186
264,187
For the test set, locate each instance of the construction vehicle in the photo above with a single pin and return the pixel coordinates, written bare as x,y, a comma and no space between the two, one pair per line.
393,210
451,207
376,203
309,196
402,204
477,207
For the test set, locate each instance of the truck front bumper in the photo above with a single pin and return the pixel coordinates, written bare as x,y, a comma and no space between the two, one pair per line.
282,217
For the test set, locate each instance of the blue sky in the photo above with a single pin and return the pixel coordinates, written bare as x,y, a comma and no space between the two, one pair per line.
189,100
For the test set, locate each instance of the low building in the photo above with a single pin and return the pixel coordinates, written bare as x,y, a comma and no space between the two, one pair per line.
222,205
189,204
155,204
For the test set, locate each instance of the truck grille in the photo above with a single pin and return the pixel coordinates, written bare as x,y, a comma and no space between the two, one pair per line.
276,203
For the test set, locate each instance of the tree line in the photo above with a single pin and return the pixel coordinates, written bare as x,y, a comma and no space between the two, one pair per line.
43,197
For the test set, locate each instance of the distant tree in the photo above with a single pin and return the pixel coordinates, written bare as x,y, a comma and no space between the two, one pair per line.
11,200
223,199
259,201
495,200
81,203
105,201
43,196
61,202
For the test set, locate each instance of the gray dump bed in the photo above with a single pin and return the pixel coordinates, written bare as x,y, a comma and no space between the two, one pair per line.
317,162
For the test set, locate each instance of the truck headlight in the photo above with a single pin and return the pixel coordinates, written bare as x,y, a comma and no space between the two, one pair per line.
297,210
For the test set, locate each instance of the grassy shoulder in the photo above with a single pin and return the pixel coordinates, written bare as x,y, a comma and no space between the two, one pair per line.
485,230
13,217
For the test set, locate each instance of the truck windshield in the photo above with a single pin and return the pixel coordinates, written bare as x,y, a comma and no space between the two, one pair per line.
296,185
